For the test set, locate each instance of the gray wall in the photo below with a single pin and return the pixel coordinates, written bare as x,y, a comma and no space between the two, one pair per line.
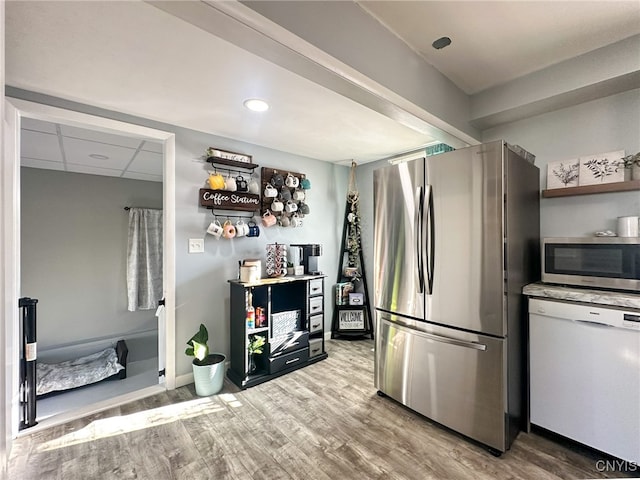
202,290
202,294
74,248
604,125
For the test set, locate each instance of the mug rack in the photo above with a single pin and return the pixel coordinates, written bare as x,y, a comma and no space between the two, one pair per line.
266,175
225,199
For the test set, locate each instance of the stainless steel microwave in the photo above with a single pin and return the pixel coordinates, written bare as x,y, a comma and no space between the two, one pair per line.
600,262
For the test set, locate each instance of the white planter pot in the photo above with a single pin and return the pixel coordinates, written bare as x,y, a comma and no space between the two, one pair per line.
209,377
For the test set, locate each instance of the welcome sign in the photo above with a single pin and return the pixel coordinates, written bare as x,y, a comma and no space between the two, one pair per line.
225,200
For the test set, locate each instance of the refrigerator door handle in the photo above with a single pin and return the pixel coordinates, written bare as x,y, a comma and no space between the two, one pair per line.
417,221
430,243
440,338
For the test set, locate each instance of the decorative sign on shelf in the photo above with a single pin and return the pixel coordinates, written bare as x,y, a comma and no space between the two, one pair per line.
226,155
351,319
225,200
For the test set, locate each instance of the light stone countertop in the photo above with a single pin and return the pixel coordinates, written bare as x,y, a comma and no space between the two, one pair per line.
577,294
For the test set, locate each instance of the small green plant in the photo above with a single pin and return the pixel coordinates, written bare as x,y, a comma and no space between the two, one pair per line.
630,160
198,347
256,344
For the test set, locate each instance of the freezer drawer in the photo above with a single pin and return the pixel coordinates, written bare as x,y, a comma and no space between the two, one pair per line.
453,377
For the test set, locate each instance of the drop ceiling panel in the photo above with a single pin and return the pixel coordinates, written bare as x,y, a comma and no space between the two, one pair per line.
38,125
101,137
142,176
34,163
41,146
149,146
93,170
146,162
78,151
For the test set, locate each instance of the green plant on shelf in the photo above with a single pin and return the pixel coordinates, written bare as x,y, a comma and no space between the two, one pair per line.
256,344
630,161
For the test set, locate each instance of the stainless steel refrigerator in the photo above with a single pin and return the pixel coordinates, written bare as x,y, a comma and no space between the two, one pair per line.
456,239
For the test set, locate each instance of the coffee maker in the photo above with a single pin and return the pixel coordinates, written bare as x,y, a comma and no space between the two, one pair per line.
310,254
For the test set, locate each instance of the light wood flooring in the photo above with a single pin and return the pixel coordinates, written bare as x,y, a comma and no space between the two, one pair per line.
324,421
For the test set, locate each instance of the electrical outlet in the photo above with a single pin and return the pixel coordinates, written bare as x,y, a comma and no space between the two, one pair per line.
196,245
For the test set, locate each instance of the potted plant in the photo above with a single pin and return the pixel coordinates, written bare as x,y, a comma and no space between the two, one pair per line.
256,347
208,368
290,269
631,162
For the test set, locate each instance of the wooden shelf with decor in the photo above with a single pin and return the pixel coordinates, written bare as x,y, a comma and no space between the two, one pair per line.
592,189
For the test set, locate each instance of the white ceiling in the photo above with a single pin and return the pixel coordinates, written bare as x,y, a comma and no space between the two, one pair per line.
496,42
71,149
134,58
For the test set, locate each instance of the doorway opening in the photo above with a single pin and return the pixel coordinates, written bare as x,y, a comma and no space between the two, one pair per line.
75,174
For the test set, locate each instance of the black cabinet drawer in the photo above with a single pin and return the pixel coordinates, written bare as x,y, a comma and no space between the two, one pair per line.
288,360
288,343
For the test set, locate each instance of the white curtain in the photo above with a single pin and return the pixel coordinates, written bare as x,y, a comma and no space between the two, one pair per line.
144,259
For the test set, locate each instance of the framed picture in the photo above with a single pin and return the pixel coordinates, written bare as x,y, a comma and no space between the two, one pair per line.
603,168
352,319
563,174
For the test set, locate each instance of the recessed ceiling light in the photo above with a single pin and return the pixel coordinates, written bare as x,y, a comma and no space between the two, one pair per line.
441,43
97,156
256,105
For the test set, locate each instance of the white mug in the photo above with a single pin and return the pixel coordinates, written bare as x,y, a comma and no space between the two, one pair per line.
277,206
291,181
230,184
298,195
270,191
242,229
215,229
253,186
291,206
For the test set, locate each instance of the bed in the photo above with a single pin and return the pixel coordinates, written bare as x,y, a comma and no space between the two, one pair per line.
107,364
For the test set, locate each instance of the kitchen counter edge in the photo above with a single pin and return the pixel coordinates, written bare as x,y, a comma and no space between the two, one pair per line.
584,295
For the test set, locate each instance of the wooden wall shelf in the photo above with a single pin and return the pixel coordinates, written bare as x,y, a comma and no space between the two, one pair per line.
231,163
591,189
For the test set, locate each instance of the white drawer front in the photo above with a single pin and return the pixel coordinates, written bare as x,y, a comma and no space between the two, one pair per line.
316,305
315,323
315,347
316,287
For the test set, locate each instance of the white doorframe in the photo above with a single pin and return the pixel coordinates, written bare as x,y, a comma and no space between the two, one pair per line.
15,109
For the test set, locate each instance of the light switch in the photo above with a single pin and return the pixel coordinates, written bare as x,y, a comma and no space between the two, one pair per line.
196,245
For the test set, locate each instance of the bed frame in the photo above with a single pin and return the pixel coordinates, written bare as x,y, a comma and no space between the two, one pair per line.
121,352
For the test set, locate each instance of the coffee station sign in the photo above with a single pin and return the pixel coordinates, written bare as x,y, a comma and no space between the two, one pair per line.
225,200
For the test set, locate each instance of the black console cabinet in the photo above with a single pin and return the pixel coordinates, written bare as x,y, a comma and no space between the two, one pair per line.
294,326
